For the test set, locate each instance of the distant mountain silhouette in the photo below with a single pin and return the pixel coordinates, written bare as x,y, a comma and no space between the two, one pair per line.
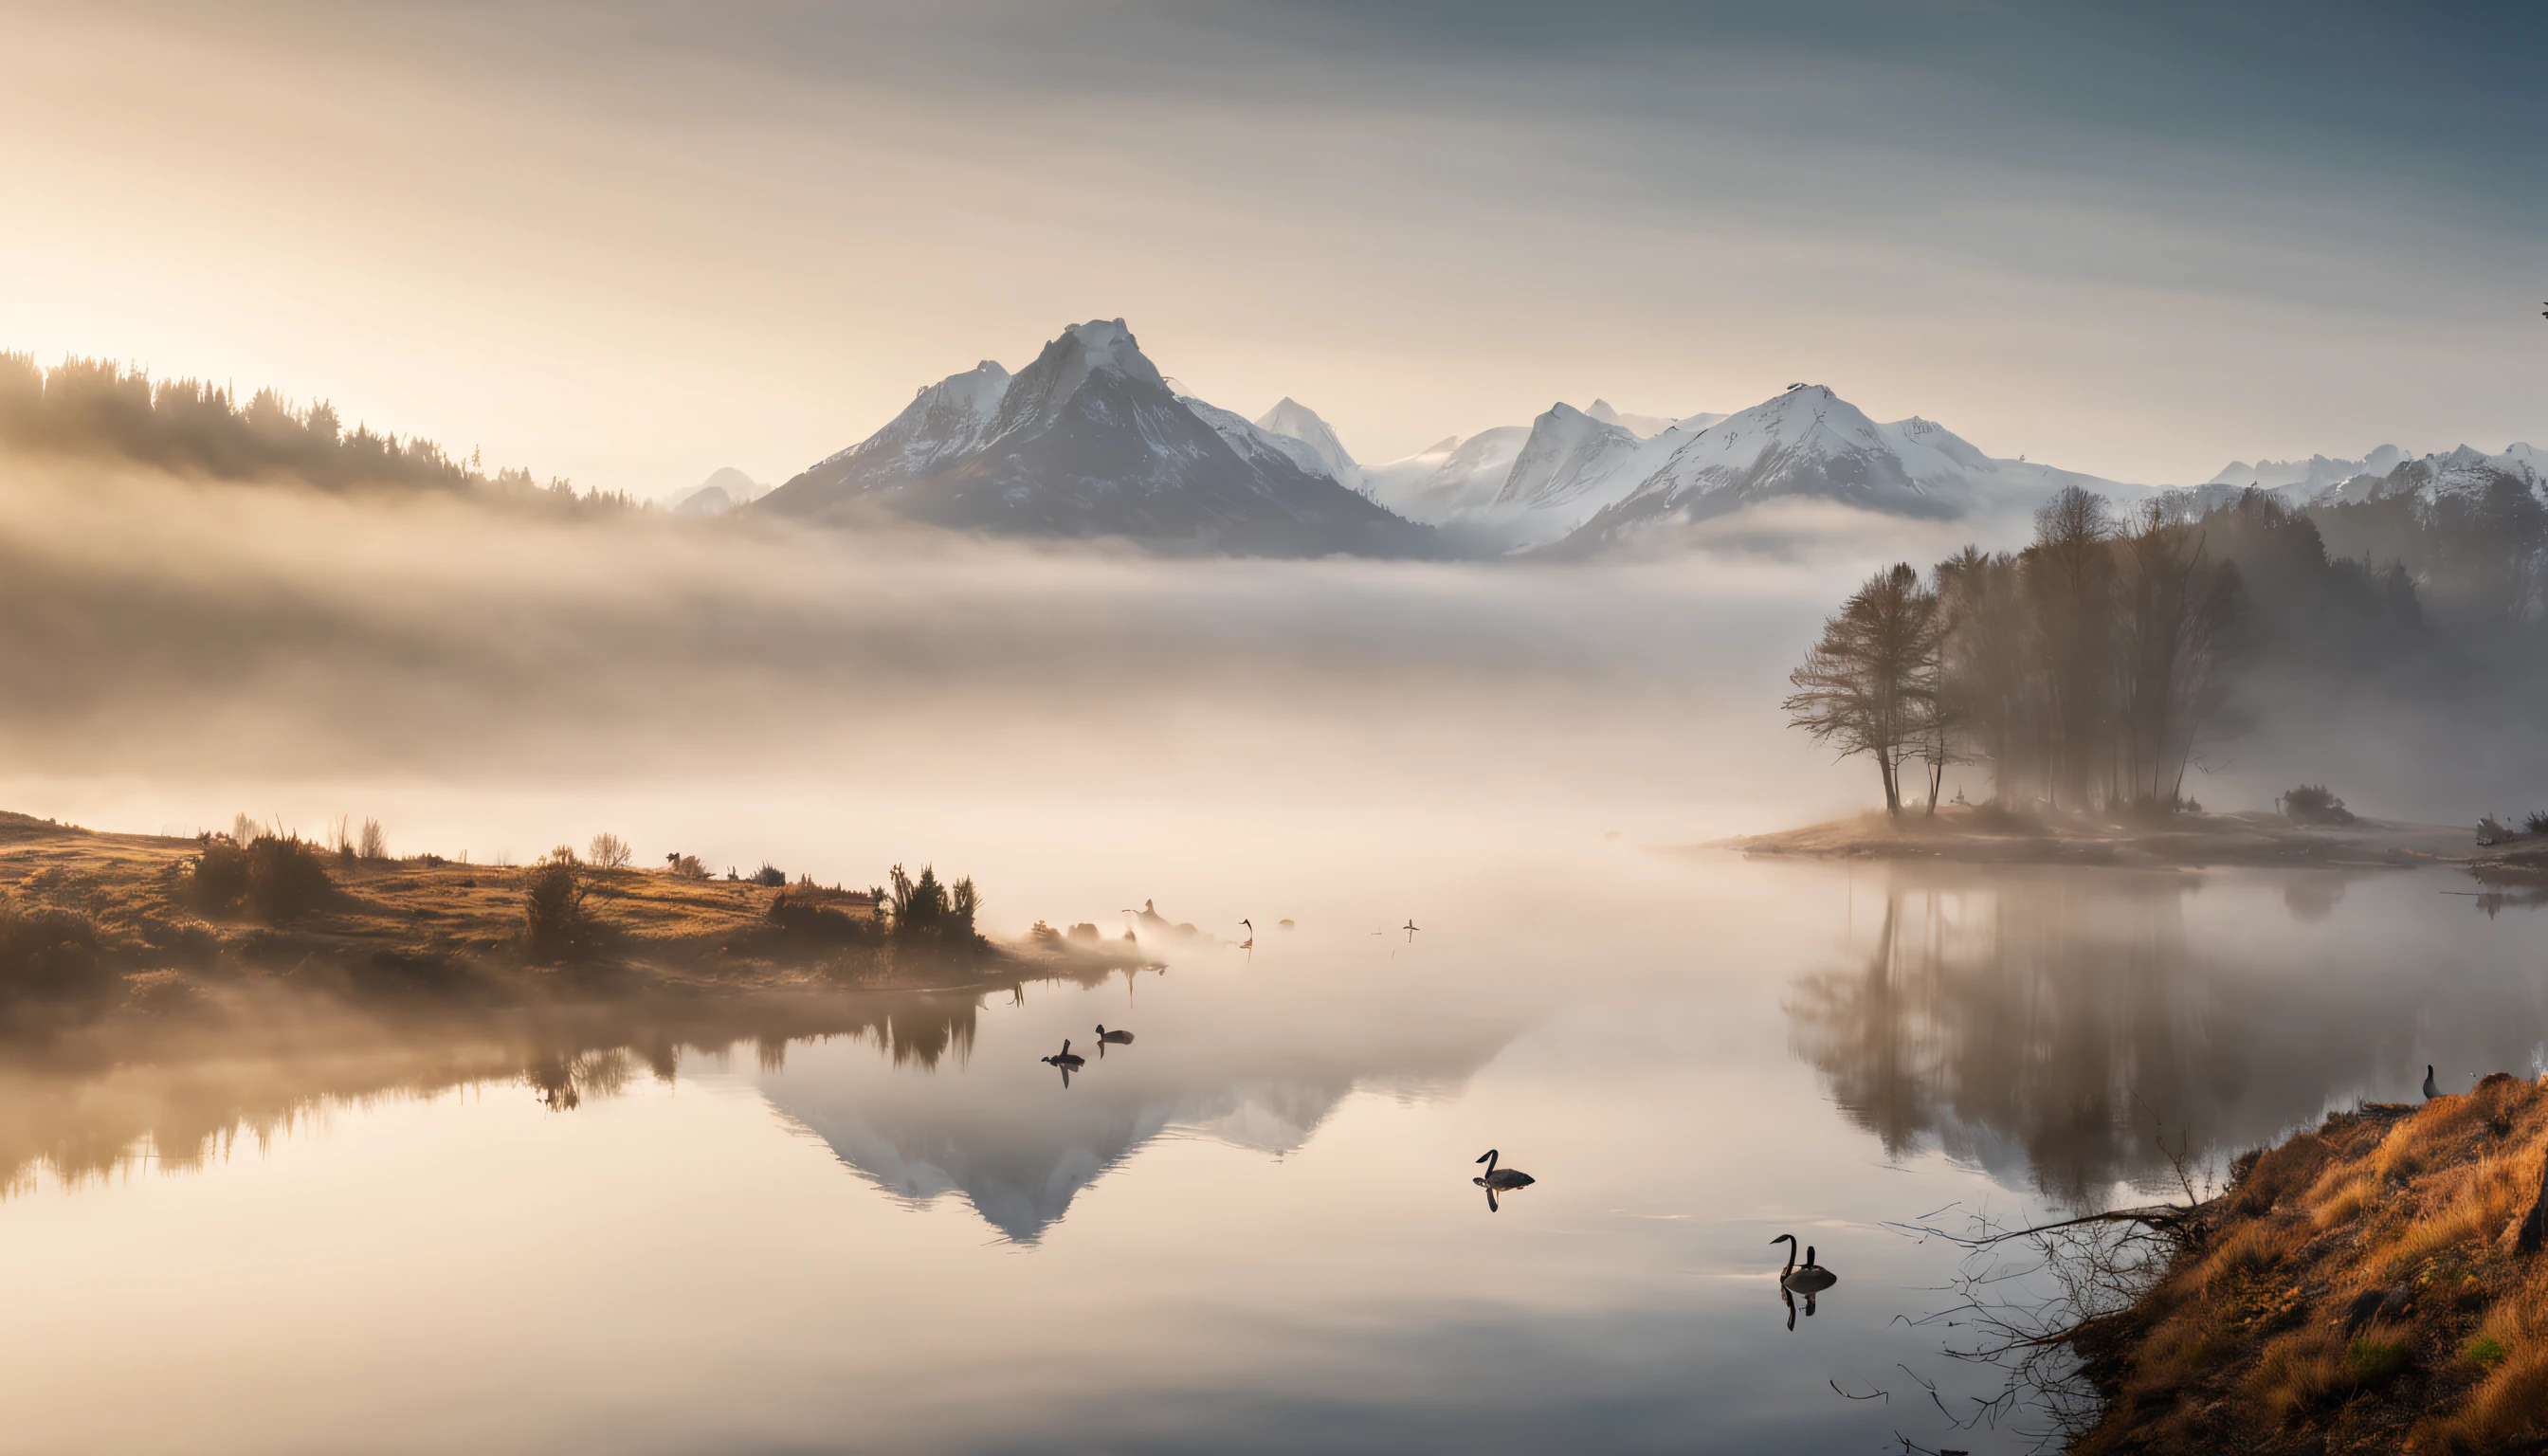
1090,441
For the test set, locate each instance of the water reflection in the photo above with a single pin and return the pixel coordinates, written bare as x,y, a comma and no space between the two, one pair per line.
83,1114
1021,1156
2054,1026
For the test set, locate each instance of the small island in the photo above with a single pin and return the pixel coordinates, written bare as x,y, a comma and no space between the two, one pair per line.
2186,840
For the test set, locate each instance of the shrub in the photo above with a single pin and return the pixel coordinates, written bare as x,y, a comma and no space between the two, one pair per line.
609,851
51,956
285,879
2491,831
555,924
2485,1352
275,878
770,875
218,880
684,866
801,915
2312,803
2373,1360
2537,823
927,914
375,840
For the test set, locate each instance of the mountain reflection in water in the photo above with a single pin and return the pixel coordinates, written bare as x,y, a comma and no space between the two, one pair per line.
1018,1150
2051,1026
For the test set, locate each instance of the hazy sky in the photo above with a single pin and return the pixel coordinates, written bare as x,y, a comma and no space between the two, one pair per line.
629,242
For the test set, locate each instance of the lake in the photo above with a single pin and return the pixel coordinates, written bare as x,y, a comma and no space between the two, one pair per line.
1255,1227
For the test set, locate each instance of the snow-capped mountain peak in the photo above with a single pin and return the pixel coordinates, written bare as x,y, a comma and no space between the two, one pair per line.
1089,440
1808,442
943,421
1568,452
1256,441
1299,421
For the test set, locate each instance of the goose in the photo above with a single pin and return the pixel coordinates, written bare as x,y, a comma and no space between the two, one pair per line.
1116,1037
1410,927
2432,1089
1064,1058
1496,1177
1808,1277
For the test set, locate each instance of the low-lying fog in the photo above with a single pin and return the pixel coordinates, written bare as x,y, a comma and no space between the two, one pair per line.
498,682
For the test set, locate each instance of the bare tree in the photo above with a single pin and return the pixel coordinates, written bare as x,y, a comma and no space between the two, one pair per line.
2069,575
2179,607
611,851
1870,684
374,843
1988,668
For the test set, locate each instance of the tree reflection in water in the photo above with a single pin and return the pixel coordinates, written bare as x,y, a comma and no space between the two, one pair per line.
2049,1024
84,1112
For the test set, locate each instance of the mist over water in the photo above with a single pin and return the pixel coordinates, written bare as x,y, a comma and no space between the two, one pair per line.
186,653
832,1226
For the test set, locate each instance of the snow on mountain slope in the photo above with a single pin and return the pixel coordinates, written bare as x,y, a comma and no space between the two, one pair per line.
943,422
1568,451
1463,474
1295,420
2464,471
1255,442
1569,468
1809,443
1087,441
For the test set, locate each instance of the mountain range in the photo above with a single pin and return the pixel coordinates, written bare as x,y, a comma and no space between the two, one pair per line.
2382,474
1091,440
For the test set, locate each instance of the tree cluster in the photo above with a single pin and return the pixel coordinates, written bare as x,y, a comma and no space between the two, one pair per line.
94,407
2481,552
2083,669
927,915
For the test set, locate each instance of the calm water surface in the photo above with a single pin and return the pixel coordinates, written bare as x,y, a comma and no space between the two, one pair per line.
1254,1228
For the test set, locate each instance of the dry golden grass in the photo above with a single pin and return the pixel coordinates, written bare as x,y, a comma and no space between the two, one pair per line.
420,925
2359,1290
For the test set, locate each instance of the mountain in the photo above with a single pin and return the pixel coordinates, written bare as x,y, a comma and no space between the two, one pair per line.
725,489
1809,442
2307,476
1090,441
2460,472
1640,426
1573,466
1569,451
1439,484
1521,485
1295,421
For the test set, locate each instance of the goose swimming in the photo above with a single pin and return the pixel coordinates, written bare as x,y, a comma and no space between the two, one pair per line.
1064,1058
1496,1177
1807,1278
1116,1038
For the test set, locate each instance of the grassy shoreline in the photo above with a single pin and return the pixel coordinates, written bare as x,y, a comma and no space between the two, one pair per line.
2376,1284
424,933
